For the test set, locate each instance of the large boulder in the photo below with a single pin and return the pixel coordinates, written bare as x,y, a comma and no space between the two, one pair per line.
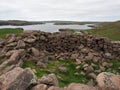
108,81
17,79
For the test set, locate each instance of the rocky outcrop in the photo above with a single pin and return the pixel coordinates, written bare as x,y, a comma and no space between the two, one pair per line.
17,79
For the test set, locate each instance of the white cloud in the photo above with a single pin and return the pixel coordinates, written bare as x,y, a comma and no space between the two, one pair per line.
79,10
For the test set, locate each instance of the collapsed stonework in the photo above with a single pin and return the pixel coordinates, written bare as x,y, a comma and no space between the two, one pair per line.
59,43
41,46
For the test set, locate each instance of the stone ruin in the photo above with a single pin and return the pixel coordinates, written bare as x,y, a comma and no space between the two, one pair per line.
39,46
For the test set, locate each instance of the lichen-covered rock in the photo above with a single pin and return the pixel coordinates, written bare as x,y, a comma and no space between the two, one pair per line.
75,86
20,44
35,51
15,60
9,53
56,88
63,69
29,40
40,64
40,87
92,75
11,38
16,56
50,80
108,81
89,69
17,79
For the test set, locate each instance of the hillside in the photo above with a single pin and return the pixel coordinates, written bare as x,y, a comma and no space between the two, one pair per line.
18,22
110,30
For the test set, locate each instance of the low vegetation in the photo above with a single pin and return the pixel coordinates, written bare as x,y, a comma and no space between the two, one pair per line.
5,31
72,75
72,23
110,30
64,78
116,65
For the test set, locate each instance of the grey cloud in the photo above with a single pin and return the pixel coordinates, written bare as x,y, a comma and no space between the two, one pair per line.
79,10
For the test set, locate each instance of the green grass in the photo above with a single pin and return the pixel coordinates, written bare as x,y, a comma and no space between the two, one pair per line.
109,30
116,65
39,71
5,31
65,78
70,76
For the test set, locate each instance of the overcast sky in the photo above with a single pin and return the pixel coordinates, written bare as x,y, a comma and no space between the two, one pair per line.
80,10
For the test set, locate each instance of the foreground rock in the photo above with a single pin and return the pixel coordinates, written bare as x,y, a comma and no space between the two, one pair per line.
17,79
108,81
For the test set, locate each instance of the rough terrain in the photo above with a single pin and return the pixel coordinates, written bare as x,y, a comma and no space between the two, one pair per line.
91,55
